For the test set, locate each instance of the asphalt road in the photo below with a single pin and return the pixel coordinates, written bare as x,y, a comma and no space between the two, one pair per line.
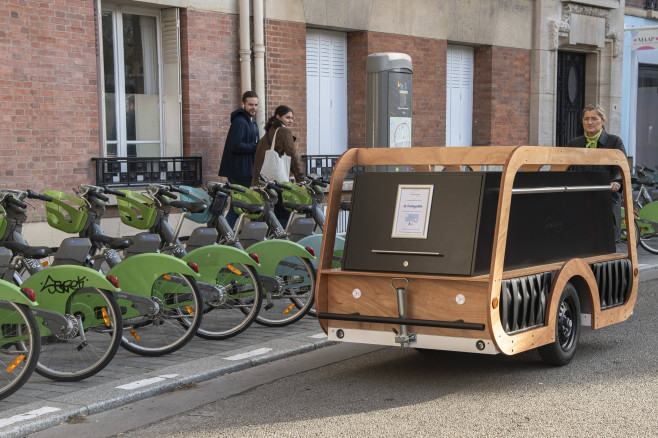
609,390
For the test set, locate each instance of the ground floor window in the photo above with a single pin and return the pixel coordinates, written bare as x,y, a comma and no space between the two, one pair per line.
459,95
326,83
140,95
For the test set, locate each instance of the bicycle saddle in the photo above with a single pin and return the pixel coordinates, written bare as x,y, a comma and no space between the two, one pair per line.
249,208
118,243
192,207
302,208
31,252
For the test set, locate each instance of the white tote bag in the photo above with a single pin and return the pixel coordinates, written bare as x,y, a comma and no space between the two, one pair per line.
276,167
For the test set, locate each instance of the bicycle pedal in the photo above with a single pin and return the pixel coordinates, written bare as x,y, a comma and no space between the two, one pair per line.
269,306
82,345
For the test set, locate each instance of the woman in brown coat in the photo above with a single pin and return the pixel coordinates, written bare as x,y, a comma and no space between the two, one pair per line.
280,123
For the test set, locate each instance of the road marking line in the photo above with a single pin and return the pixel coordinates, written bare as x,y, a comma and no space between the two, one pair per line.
249,354
146,382
27,416
318,336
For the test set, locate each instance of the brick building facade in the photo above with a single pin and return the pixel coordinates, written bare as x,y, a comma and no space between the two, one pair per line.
51,105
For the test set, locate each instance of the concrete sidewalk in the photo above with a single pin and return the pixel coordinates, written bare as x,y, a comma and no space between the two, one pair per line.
42,403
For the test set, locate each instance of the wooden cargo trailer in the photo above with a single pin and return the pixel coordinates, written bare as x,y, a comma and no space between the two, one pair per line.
415,294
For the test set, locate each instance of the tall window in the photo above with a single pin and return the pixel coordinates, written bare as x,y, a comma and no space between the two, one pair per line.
459,95
326,82
141,98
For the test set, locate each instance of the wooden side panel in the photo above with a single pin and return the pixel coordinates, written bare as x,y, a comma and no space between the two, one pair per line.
425,298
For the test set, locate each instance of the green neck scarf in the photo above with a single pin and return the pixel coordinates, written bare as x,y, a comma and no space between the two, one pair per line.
591,141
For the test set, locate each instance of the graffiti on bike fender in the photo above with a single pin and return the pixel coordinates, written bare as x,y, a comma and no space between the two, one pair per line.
53,286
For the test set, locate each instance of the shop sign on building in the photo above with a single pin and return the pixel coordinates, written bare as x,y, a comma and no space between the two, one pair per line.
646,39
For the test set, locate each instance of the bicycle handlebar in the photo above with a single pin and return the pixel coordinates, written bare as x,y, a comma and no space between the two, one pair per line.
34,195
110,191
167,193
10,199
319,181
230,186
98,195
179,190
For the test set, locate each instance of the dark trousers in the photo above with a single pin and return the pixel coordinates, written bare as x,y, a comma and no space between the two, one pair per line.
616,215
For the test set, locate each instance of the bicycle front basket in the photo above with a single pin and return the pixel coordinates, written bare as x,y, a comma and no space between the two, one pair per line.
65,212
295,195
3,224
136,210
196,195
250,197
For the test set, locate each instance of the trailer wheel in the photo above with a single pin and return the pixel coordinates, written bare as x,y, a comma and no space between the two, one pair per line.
567,329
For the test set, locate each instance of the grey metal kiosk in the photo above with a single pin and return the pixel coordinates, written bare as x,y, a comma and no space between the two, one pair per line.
388,100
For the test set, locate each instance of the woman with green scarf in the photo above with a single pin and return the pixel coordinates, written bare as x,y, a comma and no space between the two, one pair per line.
596,137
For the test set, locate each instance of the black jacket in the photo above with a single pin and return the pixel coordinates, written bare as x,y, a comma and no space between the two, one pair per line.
606,141
240,147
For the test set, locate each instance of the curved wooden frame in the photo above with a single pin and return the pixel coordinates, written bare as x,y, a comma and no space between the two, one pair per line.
513,159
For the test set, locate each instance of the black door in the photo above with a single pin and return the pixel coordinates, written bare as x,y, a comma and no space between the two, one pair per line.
570,96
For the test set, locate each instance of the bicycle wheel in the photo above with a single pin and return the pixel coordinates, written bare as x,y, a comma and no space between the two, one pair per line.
624,234
647,222
293,296
239,304
89,342
649,241
19,346
176,316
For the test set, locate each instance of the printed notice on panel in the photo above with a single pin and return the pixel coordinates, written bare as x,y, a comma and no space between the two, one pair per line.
412,211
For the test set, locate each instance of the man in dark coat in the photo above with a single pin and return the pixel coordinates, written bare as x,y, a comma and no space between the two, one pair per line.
238,157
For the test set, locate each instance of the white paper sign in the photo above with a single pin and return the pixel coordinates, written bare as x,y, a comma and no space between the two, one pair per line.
412,211
400,132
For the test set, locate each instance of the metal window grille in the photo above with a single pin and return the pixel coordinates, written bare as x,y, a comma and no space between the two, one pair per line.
323,165
652,5
142,171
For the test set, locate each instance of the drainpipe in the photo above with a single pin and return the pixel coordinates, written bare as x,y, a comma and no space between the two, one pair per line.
245,47
259,63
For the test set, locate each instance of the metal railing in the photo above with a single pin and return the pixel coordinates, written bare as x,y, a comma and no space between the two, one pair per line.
145,170
323,165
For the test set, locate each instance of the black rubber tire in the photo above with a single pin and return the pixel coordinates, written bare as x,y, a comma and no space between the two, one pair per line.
648,241
64,358
567,329
294,302
174,326
17,321
240,307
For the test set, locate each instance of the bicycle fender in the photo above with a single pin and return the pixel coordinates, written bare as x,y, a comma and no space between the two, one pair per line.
11,292
137,273
270,252
315,242
211,258
55,284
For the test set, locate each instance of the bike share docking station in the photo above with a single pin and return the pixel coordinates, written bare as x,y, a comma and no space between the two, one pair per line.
388,100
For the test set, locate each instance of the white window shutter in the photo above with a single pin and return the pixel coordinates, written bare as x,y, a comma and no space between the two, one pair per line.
326,81
171,83
313,92
459,96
